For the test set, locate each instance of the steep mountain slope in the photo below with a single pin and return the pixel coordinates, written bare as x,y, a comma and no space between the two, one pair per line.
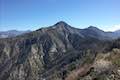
12,33
50,53
95,32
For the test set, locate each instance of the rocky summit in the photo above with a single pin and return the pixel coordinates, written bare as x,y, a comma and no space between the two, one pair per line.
61,52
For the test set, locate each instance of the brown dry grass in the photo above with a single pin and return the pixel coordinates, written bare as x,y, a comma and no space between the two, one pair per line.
75,74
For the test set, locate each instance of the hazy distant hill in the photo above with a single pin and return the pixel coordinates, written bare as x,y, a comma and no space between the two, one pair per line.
11,33
117,32
55,52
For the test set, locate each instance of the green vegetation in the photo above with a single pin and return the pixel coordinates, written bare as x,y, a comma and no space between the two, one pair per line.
72,66
116,62
101,77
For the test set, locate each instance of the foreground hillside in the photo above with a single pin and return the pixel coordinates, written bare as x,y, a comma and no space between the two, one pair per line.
60,52
106,66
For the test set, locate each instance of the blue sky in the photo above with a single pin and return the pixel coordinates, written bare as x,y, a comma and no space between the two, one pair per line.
33,14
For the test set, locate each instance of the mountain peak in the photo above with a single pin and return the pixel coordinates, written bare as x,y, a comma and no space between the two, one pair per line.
62,26
61,23
92,27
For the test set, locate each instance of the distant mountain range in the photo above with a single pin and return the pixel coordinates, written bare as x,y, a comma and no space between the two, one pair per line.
90,31
12,33
58,51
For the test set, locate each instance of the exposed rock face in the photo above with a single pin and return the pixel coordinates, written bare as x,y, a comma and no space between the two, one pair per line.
48,53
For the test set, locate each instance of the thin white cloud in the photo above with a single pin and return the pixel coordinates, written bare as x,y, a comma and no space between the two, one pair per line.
112,28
